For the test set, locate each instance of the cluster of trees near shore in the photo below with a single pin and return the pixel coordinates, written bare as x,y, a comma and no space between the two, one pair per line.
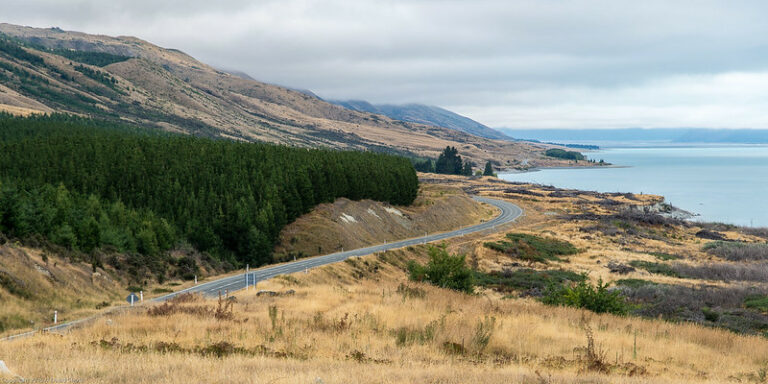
450,163
563,154
87,184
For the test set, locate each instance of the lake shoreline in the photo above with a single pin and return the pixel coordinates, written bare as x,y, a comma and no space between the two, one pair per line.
538,169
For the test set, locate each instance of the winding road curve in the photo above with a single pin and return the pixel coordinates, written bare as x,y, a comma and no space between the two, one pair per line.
509,213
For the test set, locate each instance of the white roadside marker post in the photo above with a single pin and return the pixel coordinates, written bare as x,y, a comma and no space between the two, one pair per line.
195,279
55,317
141,296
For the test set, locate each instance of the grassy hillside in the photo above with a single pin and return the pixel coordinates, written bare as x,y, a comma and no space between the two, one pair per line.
362,320
693,309
129,79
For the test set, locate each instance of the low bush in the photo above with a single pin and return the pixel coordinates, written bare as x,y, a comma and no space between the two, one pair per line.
533,248
723,271
665,256
657,268
621,269
718,306
633,283
526,279
710,235
443,270
596,298
757,302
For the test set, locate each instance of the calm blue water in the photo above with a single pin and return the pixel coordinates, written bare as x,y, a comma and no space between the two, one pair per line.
724,184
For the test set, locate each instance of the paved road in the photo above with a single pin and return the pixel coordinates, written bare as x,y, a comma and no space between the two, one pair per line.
509,213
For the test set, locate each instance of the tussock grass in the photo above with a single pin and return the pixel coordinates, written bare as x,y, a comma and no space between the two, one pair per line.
737,251
379,328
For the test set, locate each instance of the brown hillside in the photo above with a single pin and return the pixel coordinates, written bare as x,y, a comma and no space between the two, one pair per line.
347,224
169,89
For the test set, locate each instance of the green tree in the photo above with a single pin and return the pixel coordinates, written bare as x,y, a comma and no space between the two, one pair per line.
488,169
467,170
449,162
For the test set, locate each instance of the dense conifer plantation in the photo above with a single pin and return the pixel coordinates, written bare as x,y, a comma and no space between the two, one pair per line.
86,184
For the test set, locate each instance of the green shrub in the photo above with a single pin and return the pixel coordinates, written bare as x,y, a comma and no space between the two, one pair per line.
657,268
525,278
443,270
533,248
596,298
710,314
634,283
664,256
758,302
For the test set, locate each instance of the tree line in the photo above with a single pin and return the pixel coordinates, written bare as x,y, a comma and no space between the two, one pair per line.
450,163
86,184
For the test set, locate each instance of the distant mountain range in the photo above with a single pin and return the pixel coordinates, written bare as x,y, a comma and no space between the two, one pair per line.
425,114
641,135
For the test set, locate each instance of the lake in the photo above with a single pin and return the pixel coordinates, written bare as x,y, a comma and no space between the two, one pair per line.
725,184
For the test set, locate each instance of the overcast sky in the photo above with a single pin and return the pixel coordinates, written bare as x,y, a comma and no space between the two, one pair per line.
505,63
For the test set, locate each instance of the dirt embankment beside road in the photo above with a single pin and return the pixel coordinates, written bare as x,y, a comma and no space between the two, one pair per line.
351,224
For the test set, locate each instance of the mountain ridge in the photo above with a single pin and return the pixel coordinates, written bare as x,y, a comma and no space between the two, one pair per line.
168,89
425,114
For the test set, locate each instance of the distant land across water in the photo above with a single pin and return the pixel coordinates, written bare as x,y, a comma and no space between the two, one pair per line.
642,136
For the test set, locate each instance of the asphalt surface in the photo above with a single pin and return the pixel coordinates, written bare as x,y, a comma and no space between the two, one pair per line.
509,213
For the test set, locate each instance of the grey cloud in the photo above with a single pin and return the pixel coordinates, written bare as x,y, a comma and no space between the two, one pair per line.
502,62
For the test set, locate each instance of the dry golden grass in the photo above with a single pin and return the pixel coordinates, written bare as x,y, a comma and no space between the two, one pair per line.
19,111
351,323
